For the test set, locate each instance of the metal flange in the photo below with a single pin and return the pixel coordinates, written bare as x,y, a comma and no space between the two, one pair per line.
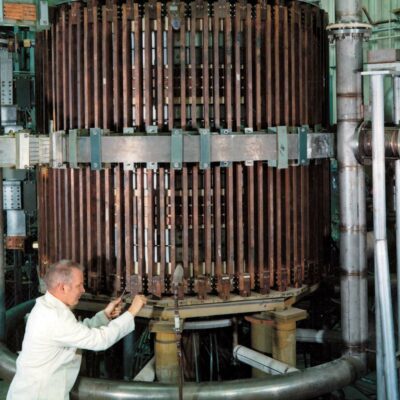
342,30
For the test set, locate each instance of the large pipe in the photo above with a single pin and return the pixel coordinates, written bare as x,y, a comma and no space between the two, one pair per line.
2,267
351,184
262,362
381,250
306,384
318,336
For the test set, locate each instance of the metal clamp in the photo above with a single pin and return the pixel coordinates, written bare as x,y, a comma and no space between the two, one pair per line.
281,161
95,149
176,149
302,145
152,130
56,149
340,31
225,164
248,163
205,148
22,144
73,148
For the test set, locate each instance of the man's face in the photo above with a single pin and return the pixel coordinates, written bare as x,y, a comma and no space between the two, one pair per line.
74,290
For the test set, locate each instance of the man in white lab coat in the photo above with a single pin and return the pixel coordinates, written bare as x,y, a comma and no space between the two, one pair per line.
48,364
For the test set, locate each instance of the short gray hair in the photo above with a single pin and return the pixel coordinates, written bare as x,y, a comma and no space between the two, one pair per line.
60,272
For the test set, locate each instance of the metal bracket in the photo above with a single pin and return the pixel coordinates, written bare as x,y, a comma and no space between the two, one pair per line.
248,163
302,145
56,149
73,148
225,164
128,166
281,161
152,130
205,148
44,14
95,149
176,149
22,144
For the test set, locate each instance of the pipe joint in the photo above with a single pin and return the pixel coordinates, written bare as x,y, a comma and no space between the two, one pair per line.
352,30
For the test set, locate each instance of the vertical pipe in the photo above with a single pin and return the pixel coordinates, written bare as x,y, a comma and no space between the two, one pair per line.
351,180
397,175
381,250
2,267
380,385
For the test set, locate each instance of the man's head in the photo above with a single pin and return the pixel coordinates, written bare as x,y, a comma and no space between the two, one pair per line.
64,280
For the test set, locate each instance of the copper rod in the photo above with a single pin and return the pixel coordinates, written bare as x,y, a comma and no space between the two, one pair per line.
207,221
185,221
128,227
162,221
117,92
172,194
217,221
195,219
126,68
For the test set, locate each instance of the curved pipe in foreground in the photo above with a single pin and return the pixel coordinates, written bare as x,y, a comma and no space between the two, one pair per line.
305,384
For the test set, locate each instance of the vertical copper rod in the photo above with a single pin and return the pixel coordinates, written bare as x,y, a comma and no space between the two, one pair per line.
217,221
195,219
59,77
236,66
106,58
62,200
65,81
97,69
193,66
294,207
160,67
72,64
109,251
268,66
55,224
138,67
185,221
126,68
303,220
75,239
172,192
170,58
182,50
277,79
99,228
90,224
148,65
230,232
82,217
300,58
206,72
260,222
140,219
306,64
207,220
53,30
228,70
271,226
79,64
293,65
117,67
162,220
250,242
41,209
240,267
67,213
128,227
149,218
279,221
258,51
88,68
216,64
119,226
249,66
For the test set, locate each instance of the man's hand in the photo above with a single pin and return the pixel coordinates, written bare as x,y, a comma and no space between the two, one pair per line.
114,309
137,303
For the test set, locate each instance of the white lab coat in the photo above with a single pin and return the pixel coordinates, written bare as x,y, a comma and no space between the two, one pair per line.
48,364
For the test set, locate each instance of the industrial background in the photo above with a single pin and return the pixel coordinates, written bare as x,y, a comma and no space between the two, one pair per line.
238,162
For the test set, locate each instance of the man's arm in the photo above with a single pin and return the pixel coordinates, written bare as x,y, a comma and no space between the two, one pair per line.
103,317
71,333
